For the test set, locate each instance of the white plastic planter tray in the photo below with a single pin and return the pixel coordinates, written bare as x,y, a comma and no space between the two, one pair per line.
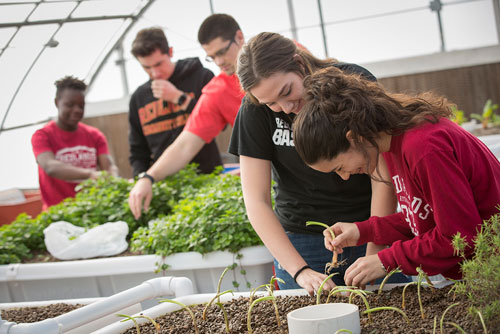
164,308
99,312
107,276
493,143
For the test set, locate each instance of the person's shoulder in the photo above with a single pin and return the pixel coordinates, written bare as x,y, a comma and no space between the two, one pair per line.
220,83
352,68
189,65
142,88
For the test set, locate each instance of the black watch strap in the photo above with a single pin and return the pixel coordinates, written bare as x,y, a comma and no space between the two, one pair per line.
182,99
146,175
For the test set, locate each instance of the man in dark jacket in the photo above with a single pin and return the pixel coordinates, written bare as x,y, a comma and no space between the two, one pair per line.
160,107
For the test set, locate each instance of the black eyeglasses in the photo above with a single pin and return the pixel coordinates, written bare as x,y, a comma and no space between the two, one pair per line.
221,52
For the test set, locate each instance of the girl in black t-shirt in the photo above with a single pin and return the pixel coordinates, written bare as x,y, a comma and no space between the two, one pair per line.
271,69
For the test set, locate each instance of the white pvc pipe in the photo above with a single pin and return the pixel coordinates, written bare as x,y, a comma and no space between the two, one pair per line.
156,287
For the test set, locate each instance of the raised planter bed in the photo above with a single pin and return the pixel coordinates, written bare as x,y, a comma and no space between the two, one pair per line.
107,276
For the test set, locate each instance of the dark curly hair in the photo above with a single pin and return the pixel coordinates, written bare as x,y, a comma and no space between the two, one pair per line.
336,103
69,82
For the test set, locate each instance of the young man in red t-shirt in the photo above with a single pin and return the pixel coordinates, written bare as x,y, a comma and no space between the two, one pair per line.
221,38
66,150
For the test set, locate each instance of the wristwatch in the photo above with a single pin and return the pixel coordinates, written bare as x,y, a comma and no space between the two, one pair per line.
146,175
182,99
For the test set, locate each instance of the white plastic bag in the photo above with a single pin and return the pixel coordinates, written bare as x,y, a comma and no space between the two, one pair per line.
66,241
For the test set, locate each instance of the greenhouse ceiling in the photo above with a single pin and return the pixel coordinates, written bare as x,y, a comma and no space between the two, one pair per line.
44,40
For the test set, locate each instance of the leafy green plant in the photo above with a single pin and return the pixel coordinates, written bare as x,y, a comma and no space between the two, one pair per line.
488,116
481,270
458,115
189,212
215,209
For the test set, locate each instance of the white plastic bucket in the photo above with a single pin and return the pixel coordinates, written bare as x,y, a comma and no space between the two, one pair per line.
324,318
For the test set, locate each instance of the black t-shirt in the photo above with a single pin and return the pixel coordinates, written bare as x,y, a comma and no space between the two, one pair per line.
301,193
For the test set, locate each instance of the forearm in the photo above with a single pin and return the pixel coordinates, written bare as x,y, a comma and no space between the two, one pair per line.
176,156
272,234
67,172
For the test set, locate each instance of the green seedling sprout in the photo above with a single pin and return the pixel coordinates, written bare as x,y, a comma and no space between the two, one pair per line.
426,277
421,276
185,307
127,318
330,265
435,324
270,289
218,303
320,289
488,114
249,314
387,308
456,326
386,278
442,316
353,293
482,321
137,328
334,290
404,292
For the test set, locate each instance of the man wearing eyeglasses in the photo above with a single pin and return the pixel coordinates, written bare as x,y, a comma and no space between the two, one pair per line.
221,38
159,109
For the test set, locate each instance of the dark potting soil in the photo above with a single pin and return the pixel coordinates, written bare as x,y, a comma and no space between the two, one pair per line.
434,302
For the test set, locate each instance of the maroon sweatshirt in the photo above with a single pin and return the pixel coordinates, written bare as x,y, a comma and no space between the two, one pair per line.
446,181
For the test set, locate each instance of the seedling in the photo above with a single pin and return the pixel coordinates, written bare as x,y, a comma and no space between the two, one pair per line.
353,293
421,276
137,328
249,314
386,278
270,289
320,289
184,307
442,316
387,308
482,321
218,303
342,330
334,264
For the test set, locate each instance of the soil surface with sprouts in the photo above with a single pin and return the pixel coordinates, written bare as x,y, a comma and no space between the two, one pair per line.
435,302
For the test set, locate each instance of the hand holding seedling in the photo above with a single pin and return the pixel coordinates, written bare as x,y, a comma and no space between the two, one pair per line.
364,270
346,234
311,280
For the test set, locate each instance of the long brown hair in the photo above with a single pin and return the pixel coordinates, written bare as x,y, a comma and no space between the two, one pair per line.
268,53
336,102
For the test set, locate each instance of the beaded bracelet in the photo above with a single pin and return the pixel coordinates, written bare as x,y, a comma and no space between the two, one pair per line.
299,271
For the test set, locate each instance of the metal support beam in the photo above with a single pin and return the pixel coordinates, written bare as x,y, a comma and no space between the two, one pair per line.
120,62
211,7
322,23
291,15
67,20
496,11
436,6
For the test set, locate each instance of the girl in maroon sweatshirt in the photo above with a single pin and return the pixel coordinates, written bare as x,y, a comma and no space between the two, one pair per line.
446,180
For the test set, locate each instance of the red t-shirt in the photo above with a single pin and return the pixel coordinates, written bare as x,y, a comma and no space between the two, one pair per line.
217,106
446,181
79,148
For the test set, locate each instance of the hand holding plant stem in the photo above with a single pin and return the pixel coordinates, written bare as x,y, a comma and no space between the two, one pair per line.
334,263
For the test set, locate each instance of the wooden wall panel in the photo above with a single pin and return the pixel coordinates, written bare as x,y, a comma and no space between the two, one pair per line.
115,128
468,87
